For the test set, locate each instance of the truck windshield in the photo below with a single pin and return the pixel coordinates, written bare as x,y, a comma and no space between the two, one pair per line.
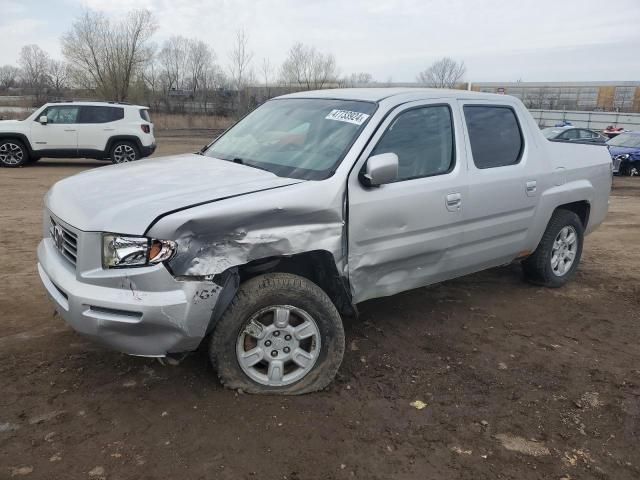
625,140
295,137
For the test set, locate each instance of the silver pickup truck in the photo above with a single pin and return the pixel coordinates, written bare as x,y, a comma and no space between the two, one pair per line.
262,242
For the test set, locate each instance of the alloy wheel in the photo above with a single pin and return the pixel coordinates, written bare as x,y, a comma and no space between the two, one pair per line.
563,253
11,154
124,153
278,346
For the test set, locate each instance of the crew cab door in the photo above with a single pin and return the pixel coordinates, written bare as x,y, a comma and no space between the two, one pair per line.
406,234
60,133
506,175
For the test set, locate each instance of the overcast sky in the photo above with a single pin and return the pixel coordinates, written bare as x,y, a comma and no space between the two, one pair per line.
499,40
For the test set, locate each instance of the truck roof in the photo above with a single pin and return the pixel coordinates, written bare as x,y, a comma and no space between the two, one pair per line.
399,94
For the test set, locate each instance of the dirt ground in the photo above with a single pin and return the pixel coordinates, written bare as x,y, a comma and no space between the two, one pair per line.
519,382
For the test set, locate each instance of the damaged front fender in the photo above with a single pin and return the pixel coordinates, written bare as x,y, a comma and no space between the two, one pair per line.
217,236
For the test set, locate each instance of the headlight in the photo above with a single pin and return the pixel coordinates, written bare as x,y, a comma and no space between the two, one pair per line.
119,251
624,156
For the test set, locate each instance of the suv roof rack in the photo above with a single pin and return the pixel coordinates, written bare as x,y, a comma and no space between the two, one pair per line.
112,102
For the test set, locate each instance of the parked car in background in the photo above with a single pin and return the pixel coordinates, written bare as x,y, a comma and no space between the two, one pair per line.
612,131
102,130
311,204
625,153
573,134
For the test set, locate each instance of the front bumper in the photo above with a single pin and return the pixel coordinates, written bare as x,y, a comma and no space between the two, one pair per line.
139,311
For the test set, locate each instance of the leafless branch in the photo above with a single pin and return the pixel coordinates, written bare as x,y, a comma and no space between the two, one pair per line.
445,73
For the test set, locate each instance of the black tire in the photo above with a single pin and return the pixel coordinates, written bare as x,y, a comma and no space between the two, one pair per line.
625,170
269,290
13,153
123,151
537,268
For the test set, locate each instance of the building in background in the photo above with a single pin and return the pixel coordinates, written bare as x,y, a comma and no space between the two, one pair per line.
584,96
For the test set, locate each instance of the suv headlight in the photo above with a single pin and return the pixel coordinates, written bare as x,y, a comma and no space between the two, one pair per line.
624,156
120,251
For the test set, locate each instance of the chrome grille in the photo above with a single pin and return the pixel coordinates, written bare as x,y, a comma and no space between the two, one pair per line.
65,241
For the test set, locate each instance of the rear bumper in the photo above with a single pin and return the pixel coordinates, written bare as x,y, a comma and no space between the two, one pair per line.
146,151
142,311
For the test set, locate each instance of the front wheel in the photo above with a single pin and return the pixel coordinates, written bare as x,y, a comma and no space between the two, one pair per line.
281,335
123,152
13,154
557,257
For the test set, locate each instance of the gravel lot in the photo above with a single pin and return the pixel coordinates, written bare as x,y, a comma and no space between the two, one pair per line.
519,382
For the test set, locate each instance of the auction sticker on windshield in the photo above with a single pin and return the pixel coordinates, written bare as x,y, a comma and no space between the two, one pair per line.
356,118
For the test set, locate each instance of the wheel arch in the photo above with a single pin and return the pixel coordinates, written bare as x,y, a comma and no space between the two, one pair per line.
123,138
582,208
18,136
318,266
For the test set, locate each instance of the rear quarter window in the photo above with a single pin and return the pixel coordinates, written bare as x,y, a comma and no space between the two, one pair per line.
98,114
144,114
494,134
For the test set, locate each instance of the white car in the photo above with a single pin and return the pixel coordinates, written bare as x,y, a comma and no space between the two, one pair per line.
102,130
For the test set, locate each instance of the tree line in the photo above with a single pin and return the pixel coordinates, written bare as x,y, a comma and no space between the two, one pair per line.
117,60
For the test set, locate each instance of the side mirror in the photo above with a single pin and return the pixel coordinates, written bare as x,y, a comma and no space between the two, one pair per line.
43,120
380,169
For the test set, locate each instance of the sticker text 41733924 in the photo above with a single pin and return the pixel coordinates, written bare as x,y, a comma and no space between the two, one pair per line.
348,116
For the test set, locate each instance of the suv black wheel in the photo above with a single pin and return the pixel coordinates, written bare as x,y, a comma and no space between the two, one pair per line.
13,153
123,151
557,257
281,335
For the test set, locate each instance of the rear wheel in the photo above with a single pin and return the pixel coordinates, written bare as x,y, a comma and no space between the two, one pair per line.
557,257
13,153
280,335
123,152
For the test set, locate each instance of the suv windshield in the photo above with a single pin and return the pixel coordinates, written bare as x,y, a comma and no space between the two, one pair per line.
298,138
625,140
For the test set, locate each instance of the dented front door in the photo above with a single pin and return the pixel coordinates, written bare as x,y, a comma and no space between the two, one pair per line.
408,233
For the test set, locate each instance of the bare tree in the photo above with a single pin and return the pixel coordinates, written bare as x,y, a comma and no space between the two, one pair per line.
240,61
308,68
187,69
59,75
241,72
266,70
107,55
174,59
445,73
8,76
199,61
358,79
34,63
153,86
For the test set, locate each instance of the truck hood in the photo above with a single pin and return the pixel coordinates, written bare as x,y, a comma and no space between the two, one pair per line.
127,198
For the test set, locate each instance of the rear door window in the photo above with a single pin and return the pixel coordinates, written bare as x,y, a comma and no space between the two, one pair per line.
100,114
494,134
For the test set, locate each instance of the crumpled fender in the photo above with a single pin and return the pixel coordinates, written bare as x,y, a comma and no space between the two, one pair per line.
282,221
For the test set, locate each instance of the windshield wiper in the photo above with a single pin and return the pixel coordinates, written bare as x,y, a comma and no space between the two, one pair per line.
240,161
